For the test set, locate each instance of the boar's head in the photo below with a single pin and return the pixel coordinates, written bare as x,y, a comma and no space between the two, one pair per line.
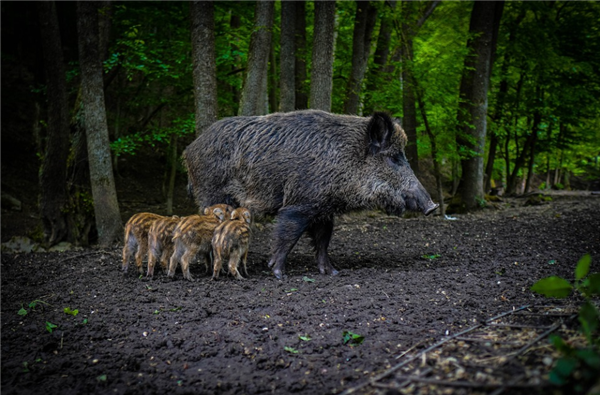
389,181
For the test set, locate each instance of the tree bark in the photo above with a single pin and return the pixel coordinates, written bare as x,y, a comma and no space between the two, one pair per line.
364,22
321,81
472,110
106,206
204,63
53,174
380,58
287,62
301,55
253,92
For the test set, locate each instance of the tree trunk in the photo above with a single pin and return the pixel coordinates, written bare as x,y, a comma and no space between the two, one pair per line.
272,88
499,110
409,110
436,165
287,62
53,174
253,92
364,22
321,81
106,206
380,58
472,110
234,24
172,165
205,66
527,148
300,56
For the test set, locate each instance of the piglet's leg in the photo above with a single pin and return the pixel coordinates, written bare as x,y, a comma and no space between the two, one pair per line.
291,223
320,233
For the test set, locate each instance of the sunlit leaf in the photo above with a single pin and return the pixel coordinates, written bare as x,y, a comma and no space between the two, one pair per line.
553,287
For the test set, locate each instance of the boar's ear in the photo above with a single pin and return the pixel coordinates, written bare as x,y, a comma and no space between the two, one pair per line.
379,133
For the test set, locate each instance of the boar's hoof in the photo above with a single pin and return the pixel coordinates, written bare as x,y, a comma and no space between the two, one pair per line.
278,274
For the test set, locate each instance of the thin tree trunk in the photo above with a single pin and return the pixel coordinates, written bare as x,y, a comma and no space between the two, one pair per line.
272,88
321,81
106,206
472,111
520,161
235,24
205,66
287,62
379,73
300,57
172,173
253,92
53,174
364,22
436,166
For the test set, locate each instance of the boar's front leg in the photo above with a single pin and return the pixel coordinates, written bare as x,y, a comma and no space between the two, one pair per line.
320,233
291,223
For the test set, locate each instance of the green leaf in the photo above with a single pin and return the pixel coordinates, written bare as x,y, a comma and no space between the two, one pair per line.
588,318
562,370
351,338
102,378
560,344
304,338
590,357
50,326
68,310
22,311
308,280
593,284
553,287
291,350
430,256
583,266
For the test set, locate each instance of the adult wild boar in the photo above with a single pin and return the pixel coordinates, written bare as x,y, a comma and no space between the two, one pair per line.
304,167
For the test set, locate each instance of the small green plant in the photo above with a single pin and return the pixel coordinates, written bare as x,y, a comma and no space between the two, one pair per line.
305,338
578,367
430,256
352,339
291,350
50,326
68,310
308,280
31,305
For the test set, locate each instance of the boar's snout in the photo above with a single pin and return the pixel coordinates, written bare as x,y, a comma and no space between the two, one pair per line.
417,199
430,208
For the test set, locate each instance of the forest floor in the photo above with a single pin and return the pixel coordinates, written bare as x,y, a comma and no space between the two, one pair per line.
423,294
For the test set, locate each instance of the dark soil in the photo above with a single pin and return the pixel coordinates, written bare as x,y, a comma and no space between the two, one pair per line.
403,284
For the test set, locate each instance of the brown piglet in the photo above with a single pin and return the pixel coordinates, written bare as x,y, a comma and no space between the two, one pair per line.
193,235
160,242
136,238
230,241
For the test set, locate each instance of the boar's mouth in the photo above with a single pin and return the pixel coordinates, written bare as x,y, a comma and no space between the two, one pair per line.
424,205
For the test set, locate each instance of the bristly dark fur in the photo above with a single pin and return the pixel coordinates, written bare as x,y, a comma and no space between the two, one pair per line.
305,167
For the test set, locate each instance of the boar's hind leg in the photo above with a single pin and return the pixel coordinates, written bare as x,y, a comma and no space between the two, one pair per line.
291,223
320,233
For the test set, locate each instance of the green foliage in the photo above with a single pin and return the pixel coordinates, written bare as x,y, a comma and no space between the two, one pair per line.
50,326
67,310
578,367
291,350
352,339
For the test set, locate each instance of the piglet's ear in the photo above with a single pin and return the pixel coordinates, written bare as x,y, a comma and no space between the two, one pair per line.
379,133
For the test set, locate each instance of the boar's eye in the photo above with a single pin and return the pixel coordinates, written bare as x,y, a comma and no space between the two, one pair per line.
397,160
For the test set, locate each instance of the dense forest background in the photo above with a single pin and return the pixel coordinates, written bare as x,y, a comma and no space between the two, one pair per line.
495,97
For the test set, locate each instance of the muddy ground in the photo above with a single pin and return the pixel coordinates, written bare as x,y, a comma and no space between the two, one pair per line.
403,284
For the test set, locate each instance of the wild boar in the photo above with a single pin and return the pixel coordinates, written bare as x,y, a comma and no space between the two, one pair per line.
160,242
231,241
305,167
193,236
136,238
